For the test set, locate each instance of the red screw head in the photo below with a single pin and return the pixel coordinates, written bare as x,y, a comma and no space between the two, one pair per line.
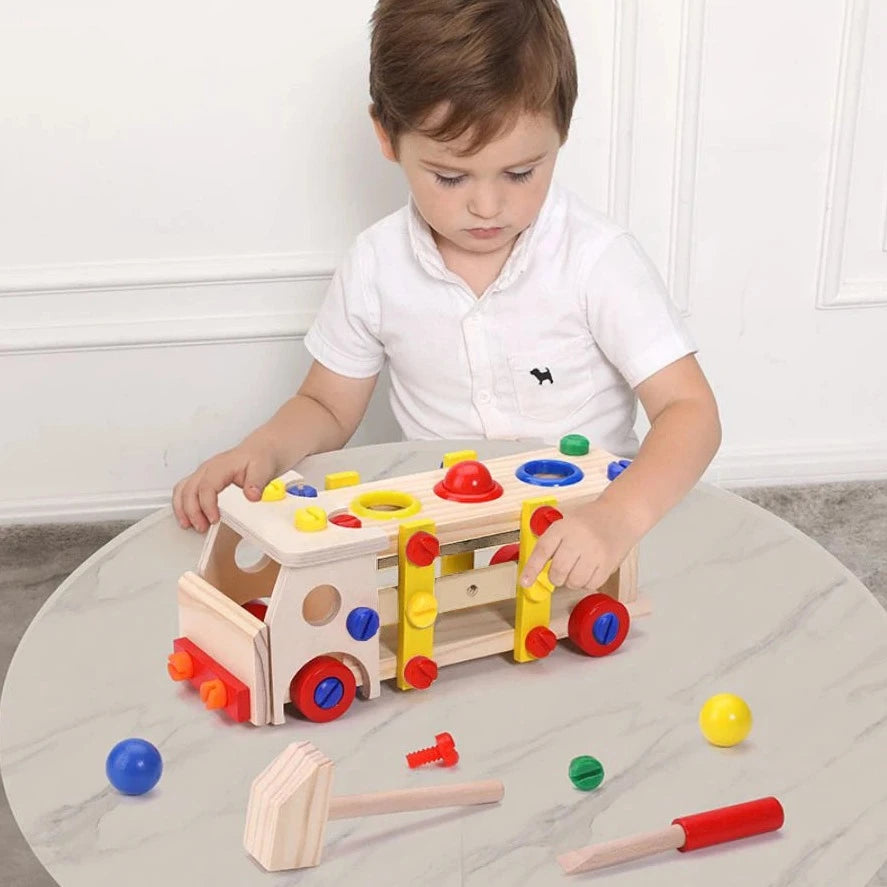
420,672
444,750
422,548
540,641
543,517
444,742
449,758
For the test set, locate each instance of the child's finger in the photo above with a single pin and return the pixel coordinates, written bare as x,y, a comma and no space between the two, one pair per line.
209,502
563,563
255,480
584,570
545,548
191,504
178,509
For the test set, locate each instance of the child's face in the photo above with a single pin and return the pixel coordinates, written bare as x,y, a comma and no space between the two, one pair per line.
479,203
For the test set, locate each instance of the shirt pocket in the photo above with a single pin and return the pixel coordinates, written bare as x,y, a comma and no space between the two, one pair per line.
555,383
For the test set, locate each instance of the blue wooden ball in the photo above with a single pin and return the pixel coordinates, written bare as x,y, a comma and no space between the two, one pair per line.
134,766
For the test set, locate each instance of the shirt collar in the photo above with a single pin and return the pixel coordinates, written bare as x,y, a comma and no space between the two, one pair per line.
429,257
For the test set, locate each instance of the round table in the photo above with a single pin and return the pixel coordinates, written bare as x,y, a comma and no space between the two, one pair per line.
742,603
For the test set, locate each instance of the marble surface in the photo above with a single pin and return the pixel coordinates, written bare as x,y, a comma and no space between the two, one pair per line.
742,603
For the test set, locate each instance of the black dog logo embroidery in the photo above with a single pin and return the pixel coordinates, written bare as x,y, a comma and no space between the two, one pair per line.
542,375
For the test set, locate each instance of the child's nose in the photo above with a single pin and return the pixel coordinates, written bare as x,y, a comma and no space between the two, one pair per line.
485,202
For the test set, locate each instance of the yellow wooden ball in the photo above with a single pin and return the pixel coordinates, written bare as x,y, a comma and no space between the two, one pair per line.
725,720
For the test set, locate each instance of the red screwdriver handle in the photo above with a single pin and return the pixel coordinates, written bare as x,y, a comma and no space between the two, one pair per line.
730,823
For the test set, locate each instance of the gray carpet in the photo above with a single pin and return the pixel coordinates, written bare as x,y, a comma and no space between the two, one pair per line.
850,520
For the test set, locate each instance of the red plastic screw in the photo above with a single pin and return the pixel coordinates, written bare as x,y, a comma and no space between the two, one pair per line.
422,548
543,517
540,641
420,672
444,751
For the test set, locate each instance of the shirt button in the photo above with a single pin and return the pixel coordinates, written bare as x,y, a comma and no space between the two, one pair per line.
483,396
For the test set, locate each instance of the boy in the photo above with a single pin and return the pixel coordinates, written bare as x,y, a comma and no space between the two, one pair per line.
503,306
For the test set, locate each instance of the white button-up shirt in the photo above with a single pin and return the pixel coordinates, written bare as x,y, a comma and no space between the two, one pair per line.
576,319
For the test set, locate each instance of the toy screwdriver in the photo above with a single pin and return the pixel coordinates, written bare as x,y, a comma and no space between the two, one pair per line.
685,833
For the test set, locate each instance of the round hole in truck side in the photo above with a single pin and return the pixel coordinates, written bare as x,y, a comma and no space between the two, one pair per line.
321,604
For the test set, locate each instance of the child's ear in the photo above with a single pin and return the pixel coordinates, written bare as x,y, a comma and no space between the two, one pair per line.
388,151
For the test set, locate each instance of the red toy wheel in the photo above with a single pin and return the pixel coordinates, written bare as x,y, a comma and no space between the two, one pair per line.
598,624
505,554
323,689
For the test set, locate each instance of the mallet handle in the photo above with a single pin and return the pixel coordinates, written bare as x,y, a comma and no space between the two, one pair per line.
487,791
621,850
685,833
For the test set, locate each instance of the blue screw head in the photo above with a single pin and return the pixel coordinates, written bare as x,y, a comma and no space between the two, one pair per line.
329,693
300,489
605,628
614,469
362,623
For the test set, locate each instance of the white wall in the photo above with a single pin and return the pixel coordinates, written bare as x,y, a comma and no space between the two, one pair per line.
178,181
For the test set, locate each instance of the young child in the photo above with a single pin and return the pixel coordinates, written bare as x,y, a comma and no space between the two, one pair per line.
503,307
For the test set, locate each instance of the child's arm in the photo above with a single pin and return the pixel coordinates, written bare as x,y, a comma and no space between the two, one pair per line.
322,416
685,434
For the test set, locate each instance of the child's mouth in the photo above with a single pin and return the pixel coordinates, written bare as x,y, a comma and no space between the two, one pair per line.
484,233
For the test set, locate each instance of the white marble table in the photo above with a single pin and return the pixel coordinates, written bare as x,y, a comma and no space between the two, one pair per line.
742,603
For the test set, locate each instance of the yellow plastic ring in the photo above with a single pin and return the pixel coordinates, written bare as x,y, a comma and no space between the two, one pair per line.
399,505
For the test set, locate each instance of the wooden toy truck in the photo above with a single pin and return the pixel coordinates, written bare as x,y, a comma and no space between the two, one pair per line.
330,626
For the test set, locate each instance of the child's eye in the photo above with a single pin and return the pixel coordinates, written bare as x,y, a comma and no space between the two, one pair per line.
521,176
448,181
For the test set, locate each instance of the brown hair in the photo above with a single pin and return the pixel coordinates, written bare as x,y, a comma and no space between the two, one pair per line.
484,61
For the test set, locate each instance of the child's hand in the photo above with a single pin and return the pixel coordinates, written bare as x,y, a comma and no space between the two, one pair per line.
195,498
584,549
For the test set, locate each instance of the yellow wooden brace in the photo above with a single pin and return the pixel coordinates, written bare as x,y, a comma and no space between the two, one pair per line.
416,603
533,604
450,459
339,479
456,563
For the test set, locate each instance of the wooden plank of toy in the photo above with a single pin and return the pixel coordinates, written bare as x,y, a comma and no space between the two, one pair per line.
382,504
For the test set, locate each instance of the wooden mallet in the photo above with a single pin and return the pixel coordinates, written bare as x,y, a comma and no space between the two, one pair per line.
685,833
290,803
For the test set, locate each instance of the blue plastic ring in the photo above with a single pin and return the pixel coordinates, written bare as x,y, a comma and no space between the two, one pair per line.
565,473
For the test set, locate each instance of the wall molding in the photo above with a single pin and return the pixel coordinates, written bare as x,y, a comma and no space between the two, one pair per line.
790,464
622,110
199,271
78,323
686,153
155,333
831,290
686,135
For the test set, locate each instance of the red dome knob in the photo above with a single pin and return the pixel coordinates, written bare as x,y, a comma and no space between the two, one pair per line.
468,481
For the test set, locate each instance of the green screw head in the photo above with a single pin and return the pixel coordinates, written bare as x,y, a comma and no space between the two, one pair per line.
586,772
574,445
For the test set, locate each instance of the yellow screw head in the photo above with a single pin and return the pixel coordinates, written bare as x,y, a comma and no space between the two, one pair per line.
539,591
422,609
725,720
274,491
310,519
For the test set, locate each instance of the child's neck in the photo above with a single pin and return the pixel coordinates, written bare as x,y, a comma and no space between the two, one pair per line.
476,269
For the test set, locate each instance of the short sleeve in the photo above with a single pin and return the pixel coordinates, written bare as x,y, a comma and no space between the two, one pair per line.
343,336
630,314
